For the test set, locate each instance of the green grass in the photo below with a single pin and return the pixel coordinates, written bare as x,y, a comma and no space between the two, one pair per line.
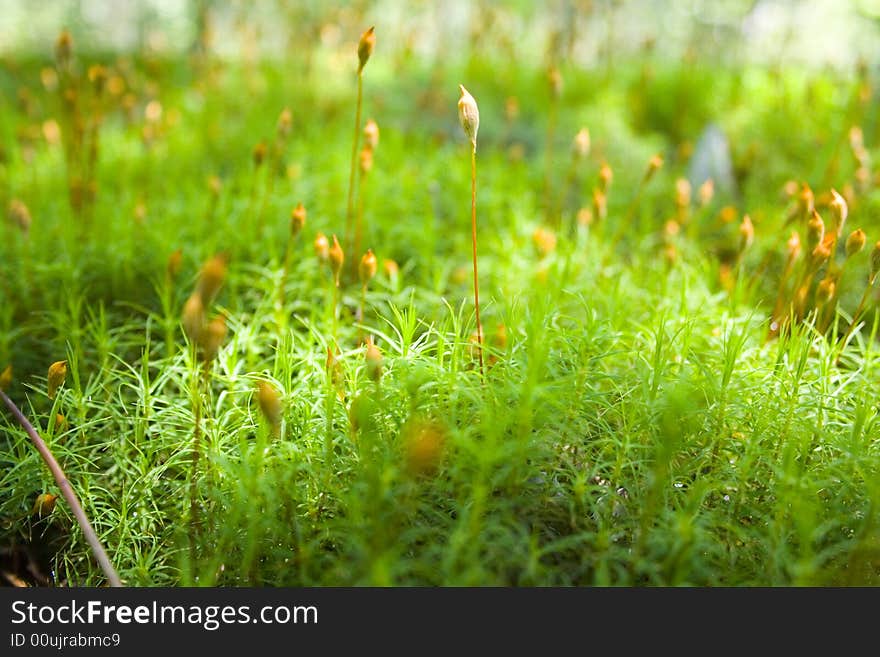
635,429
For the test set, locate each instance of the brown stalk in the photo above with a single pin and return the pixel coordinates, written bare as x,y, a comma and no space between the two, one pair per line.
474,240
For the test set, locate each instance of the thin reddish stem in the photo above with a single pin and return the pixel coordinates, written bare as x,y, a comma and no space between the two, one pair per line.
358,225
349,213
474,240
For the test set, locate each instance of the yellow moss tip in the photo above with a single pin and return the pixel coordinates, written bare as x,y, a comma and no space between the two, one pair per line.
606,176
63,47
211,278
806,200
44,504
336,256
423,445
839,210
855,242
654,165
212,337
322,246
706,192
391,268
270,403
334,371
175,260
368,266
581,145
825,291
374,361
20,215
57,374
285,121
371,134
544,240
365,47
793,245
297,219
193,318
682,192
821,253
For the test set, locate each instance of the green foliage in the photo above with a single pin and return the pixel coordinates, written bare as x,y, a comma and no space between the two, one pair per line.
634,427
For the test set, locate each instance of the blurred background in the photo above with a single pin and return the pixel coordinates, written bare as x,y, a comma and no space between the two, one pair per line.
759,96
158,133
815,33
